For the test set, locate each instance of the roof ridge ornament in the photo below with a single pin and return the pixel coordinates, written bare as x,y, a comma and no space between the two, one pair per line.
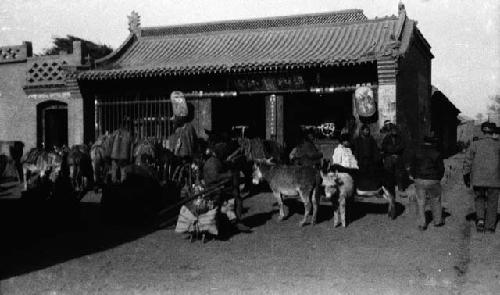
401,21
401,8
134,23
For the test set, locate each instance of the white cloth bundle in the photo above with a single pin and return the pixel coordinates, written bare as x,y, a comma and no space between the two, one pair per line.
188,222
343,156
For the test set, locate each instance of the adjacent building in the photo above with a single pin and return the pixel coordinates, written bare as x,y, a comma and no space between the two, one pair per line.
40,105
444,121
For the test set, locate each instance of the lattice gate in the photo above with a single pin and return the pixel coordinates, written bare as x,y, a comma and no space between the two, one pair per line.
144,118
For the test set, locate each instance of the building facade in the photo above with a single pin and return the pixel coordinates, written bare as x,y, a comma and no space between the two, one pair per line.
273,74
40,105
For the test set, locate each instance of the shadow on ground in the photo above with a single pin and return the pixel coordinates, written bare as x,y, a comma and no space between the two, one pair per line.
354,211
38,234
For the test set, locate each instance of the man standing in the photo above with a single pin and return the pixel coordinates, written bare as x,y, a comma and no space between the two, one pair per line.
392,150
427,168
482,172
367,153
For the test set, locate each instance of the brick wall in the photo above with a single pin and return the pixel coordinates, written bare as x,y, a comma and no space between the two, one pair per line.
17,113
413,93
18,106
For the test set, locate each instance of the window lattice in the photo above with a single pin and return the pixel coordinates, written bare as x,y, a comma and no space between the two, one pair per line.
51,72
9,53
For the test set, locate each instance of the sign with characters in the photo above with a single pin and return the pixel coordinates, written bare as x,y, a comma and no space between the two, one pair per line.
365,102
386,103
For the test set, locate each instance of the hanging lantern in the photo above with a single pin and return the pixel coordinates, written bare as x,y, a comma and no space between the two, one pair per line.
365,102
179,105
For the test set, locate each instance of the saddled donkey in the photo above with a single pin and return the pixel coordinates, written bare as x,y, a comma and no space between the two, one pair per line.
100,155
241,154
81,171
42,164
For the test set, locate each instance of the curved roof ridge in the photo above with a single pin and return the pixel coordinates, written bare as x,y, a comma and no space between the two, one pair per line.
340,16
117,51
277,28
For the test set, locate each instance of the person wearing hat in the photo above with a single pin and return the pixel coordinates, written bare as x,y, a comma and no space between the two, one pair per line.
183,140
215,171
427,169
481,171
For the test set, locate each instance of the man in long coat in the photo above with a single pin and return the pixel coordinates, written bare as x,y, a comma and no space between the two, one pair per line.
183,140
121,153
482,172
392,151
368,156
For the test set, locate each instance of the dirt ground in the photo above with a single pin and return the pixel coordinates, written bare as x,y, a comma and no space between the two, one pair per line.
373,255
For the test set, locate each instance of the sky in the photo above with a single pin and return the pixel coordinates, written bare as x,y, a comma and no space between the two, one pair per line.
464,34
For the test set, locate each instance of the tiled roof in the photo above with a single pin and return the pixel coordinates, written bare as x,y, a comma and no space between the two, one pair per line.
343,16
345,37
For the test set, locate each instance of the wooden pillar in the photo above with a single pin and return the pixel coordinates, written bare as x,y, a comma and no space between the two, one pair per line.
274,118
202,116
75,121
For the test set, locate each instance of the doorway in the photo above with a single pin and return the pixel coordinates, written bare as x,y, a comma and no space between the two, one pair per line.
52,124
243,110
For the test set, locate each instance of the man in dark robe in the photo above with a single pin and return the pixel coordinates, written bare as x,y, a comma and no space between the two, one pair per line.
367,154
392,151
183,141
214,171
306,153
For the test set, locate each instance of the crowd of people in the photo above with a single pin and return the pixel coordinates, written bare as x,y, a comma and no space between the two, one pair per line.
374,167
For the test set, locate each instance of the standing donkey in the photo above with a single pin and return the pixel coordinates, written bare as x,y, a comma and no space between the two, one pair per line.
290,181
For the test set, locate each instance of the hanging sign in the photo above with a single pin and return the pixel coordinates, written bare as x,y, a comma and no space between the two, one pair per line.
365,101
386,103
179,105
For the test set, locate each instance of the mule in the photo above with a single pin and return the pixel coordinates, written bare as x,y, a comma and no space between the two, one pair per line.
291,181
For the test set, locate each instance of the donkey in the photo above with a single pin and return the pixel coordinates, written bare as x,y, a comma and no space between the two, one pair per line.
42,163
291,181
339,188
81,171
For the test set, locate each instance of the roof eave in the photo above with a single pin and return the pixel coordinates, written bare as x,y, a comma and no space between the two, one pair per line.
137,73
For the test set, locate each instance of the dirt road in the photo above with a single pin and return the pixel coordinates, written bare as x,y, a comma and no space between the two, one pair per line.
373,255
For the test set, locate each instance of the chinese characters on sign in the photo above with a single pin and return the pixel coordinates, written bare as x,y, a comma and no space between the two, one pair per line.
272,115
269,83
386,103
